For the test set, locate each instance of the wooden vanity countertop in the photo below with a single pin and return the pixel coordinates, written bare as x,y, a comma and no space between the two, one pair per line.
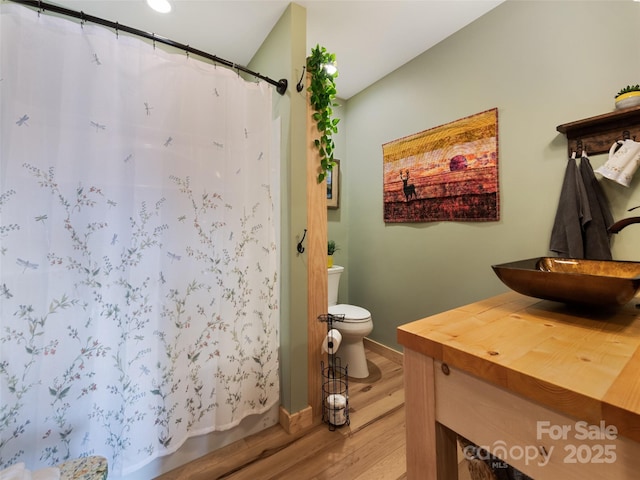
578,361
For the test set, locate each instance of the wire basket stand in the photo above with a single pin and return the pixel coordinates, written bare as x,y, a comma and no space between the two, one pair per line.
335,384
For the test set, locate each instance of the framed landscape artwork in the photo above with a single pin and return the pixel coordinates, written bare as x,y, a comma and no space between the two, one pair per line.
447,173
333,186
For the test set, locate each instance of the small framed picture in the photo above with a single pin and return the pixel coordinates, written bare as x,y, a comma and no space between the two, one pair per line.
333,186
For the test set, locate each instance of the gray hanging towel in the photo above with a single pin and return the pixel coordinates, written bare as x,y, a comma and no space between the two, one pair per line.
597,239
571,216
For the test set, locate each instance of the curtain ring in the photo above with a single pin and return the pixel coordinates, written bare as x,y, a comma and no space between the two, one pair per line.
187,51
117,28
82,19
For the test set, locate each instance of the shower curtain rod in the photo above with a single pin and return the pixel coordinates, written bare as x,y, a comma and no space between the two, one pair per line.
281,85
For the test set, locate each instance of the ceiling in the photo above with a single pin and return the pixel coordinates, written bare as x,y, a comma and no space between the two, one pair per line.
370,38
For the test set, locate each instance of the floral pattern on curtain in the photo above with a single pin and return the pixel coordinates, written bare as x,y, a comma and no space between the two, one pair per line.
138,246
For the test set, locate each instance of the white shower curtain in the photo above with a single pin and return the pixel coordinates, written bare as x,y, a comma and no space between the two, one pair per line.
138,234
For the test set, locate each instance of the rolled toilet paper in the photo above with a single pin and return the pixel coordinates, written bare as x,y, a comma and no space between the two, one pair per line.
332,341
337,407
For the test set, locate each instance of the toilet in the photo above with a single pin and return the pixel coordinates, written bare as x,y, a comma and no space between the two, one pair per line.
357,324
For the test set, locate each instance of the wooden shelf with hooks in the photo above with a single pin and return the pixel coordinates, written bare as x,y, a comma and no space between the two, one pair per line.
597,134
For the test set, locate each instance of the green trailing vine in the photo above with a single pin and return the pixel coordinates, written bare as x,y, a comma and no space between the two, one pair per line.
323,93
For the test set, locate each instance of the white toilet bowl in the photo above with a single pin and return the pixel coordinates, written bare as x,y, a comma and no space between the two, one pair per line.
357,324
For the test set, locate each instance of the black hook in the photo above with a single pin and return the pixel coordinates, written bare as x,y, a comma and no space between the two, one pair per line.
579,147
300,86
300,247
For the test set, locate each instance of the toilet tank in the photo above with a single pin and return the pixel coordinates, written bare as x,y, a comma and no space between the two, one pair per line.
334,283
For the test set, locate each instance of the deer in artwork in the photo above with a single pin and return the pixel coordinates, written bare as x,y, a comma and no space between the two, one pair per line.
409,189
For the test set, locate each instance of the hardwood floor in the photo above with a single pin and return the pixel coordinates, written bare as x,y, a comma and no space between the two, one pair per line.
371,447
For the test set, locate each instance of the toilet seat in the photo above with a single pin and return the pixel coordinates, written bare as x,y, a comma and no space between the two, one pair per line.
352,313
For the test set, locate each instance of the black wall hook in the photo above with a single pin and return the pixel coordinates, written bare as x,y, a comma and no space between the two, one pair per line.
300,84
300,247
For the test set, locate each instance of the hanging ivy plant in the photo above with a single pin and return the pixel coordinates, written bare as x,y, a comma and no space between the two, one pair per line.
323,93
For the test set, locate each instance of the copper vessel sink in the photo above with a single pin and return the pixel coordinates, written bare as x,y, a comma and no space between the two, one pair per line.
570,280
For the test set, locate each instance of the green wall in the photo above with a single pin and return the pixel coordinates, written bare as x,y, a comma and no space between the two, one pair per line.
541,64
284,53
338,225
